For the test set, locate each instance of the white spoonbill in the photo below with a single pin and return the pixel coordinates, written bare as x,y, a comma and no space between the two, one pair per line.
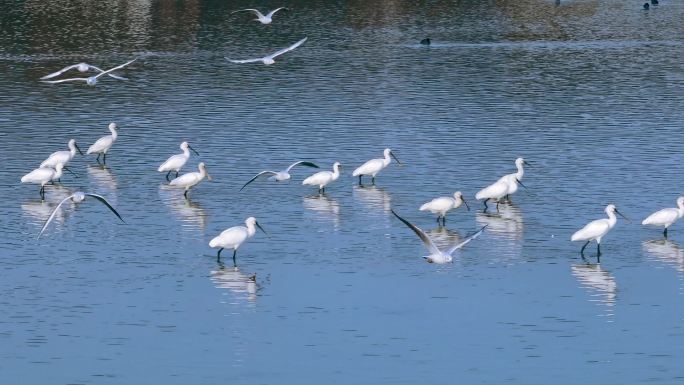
190,179
436,255
666,217
374,166
176,162
81,67
62,157
235,236
596,230
442,205
323,178
515,178
91,81
78,197
263,19
102,145
279,176
506,185
269,59
42,176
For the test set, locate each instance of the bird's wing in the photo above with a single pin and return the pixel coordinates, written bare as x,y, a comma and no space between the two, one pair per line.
54,212
466,240
263,173
421,234
255,11
290,48
65,80
63,70
244,61
103,200
270,14
303,163
115,68
109,74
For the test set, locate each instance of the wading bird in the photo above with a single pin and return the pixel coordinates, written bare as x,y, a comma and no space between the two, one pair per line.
666,217
189,180
235,236
279,176
176,162
323,178
102,145
442,205
78,197
42,176
62,157
596,230
374,166
505,186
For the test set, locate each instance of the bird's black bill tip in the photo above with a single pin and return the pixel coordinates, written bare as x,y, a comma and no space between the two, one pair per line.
260,228
193,150
395,158
521,183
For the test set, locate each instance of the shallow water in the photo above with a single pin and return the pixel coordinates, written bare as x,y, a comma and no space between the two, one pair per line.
589,92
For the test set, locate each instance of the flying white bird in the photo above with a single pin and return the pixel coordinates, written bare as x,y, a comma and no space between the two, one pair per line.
102,145
374,166
42,176
92,80
81,67
506,185
436,255
235,236
442,205
279,176
269,59
596,230
323,178
666,217
78,197
62,157
176,162
190,179
260,16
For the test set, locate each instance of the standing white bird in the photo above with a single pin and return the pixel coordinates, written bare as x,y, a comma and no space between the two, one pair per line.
102,145
81,67
92,80
506,185
436,255
235,236
190,179
596,230
267,19
62,157
176,162
442,205
374,166
42,176
666,217
279,176
78,197
269,59
323,178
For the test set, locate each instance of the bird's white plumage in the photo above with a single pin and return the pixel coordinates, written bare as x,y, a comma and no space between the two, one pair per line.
43,175
374,166
323,178
103,144
188,180
596,230
442,205
666,217
78,197
92,80
270,58
233,237
63,157
279,176
81,67
176,162
506,185
263,19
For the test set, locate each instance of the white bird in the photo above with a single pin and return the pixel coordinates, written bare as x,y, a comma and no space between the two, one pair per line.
436,255
269,59
42,176
176,162
442,205
92,80
81,67
666,217
596,230
190,179
235,236
280,176
102,145
323,178
506,185
374,166
62,157
78,197
267,19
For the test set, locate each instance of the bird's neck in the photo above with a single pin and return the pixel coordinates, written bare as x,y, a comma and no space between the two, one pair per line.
251,230
612,219
680,205
521,172
186,152
114,134
336,172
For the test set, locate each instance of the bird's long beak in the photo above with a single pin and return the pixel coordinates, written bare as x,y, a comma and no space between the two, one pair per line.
260,228
526,163
465,203
520,183
209,178
193,150
620,214
395,157
72,173
79,149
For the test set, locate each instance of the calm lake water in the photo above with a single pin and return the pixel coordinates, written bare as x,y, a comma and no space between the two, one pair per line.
588,91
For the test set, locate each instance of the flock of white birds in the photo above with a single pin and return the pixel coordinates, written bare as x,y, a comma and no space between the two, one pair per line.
50,171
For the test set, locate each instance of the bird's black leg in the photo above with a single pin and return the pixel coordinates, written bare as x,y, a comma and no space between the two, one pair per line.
185,194
218,256
583,247
598,249
438,218
98,158
234,261
373,180
497,205
444,220
360,182
42,192
485,204
176,173
665,233
167,175
104,158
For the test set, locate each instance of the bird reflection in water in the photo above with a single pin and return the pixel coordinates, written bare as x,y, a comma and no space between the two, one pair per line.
600,283
39,211
373,197
242,285
324,205
103,180
444,238
507,223
187,211
665,251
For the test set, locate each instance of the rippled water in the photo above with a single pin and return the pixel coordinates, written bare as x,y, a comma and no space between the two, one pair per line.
589,92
